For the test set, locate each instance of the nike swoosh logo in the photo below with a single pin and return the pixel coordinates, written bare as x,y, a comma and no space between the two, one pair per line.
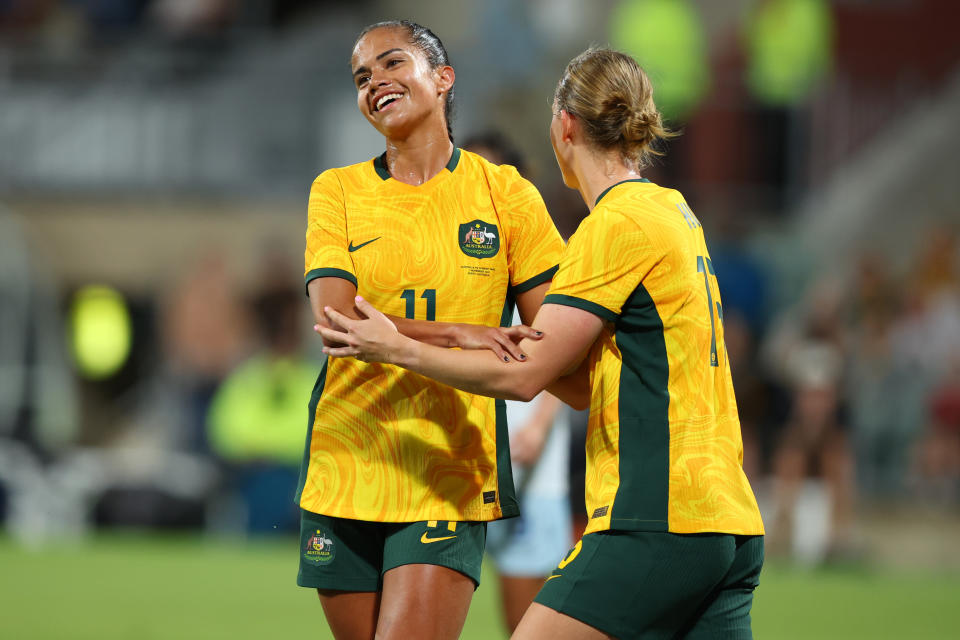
352,248
552,577
425,540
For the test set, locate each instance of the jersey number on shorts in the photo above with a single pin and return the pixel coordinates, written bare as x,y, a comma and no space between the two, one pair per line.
410,297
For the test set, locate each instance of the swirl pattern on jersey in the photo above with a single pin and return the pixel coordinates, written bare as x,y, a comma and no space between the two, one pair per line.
387,444
664,451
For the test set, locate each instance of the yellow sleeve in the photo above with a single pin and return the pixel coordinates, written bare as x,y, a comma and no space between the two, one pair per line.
326,254
534,244
604,263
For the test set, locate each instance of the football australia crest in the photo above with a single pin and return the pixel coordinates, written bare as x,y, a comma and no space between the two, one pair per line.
479,239
319,549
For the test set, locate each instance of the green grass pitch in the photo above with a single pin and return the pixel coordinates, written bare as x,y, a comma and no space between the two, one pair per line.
145,587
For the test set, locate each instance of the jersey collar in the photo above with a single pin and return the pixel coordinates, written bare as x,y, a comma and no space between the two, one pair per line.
607,190
380,163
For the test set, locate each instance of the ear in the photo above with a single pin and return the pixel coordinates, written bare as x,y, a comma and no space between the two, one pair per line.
569,126
445,78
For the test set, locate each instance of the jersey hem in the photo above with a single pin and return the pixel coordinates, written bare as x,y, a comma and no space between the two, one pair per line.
536,280
571,301
512,511
661,526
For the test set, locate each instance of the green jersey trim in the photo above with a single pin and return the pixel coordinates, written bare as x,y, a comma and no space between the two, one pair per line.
643,401
313,274
507,496
607,190
535,281
380,164
571,301
311,417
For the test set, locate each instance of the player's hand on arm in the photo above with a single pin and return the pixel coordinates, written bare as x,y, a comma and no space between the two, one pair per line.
373,338
567,334
502,341
333,292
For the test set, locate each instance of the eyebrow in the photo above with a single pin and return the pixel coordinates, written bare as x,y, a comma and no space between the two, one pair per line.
382,55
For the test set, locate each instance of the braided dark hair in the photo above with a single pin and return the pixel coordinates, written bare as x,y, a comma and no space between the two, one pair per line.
431,47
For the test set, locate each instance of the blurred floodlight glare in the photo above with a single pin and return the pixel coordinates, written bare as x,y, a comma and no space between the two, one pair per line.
100,331
667,39
789,44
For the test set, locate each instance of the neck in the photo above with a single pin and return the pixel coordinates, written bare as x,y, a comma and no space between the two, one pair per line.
419,156
597,172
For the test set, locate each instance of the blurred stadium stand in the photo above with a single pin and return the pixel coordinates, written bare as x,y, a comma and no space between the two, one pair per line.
163,147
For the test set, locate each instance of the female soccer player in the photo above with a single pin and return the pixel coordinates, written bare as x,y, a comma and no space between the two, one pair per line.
674,544
401,473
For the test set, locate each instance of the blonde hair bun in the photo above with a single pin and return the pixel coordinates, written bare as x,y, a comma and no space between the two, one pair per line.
613,97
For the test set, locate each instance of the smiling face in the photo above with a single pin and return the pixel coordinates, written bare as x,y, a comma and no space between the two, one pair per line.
397,91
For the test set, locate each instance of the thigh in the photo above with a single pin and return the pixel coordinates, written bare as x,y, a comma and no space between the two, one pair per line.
423,601
638,584
726,612
430,570
544,623
341,559
351,615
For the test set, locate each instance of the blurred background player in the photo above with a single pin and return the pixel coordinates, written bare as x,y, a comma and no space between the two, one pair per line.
255,422
525,549
401,474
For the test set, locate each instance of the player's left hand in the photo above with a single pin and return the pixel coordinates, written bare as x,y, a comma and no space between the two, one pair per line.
503,341
370,339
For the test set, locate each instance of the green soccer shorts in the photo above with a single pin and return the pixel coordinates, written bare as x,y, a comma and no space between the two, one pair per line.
639,584
353,555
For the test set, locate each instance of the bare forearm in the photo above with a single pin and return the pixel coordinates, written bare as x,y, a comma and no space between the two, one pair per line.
479,372
440,334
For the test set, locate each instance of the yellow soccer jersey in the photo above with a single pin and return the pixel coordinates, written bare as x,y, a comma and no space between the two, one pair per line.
385,444
664,451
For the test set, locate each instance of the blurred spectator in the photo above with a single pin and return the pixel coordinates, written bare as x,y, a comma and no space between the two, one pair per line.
257,419
813,444
938,455
206,329
193,18
759,399
885,393
38,405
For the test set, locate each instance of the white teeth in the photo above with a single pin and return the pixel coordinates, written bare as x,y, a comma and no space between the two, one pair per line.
389,96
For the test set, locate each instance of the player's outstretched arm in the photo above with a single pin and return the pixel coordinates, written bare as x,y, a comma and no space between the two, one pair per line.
567,333
503,341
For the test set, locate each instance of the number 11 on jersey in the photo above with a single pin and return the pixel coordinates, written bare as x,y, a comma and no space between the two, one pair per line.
410,297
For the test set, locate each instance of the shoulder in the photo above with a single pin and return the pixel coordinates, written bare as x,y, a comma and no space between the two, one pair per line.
353,173
503,179
642,205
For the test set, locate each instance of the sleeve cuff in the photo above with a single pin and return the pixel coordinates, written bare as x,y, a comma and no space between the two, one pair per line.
313,274
535,281
570,301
